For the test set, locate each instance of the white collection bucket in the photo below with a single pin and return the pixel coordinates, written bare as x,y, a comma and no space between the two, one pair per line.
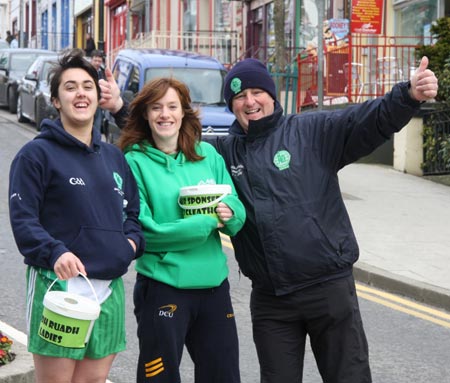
68,318
202,199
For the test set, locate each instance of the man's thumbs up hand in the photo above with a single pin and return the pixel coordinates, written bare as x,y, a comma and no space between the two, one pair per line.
110,93
424,84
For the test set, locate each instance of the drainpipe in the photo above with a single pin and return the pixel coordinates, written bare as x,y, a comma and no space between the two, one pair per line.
30,22
101,20
20,24
147,17
320,57
128,24
298,18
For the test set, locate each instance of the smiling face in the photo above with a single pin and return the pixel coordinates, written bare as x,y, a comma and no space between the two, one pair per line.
165,117
252,104
77,98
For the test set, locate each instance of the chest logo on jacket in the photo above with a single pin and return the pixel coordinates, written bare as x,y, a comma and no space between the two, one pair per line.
118,179
237,170
282,159
77,181
119,183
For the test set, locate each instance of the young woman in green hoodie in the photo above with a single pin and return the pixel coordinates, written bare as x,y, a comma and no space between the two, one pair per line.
181,293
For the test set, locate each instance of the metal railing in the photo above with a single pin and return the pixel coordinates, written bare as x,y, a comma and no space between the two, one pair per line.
286,85
363,68
54,41
223,45
436,136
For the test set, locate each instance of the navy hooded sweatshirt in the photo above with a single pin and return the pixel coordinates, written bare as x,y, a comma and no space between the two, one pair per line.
66,196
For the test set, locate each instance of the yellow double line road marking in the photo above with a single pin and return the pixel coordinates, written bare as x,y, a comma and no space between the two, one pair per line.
391,301
226,241
404,305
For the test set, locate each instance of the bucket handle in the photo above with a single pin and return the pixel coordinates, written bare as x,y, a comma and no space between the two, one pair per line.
207,204
87,280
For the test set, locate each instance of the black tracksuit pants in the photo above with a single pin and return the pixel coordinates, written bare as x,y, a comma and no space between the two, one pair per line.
329,314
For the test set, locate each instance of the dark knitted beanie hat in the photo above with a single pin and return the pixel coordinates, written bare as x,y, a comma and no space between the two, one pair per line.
248,73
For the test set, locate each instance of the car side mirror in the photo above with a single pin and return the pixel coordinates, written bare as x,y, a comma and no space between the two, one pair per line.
31,76
3,71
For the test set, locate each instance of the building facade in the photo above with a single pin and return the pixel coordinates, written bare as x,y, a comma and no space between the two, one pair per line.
226,29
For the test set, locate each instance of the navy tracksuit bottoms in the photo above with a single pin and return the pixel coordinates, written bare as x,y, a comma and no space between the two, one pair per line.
200,319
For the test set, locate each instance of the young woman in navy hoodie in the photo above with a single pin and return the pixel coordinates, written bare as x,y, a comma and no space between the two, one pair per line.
74,209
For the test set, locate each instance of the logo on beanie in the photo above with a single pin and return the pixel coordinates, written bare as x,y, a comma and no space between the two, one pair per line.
235,85
282,159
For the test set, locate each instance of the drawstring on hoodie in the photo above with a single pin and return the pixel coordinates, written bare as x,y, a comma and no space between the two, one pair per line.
168,158
168,164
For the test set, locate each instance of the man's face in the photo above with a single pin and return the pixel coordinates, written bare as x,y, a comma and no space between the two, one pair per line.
97,61
252,104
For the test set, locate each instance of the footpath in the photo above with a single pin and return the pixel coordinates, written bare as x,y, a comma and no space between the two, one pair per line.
402,227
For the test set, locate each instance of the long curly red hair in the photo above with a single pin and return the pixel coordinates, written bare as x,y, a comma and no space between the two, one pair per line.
137,130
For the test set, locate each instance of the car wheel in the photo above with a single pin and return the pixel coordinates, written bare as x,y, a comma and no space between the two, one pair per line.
20,116
105,131
39,116
12,100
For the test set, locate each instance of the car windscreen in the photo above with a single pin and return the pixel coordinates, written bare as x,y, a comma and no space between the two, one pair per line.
205,85
21,61
48,65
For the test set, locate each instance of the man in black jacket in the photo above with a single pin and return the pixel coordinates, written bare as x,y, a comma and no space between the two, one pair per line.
297,245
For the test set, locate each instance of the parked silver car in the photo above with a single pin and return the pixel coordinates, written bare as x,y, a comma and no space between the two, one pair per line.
13,66
33,102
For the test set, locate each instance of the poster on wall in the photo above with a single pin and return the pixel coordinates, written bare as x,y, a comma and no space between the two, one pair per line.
339,28
367,16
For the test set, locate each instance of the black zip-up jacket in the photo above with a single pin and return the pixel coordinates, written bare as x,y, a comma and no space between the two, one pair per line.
298,232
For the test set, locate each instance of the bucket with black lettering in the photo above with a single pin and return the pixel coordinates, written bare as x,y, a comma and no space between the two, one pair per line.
68,318
202,199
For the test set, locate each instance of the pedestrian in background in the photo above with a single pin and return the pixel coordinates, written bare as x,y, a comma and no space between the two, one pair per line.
181,294
97,63
74,208
14,41
297,245
89,45
9,37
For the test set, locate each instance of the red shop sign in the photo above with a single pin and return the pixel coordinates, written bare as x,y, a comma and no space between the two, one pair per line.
367,16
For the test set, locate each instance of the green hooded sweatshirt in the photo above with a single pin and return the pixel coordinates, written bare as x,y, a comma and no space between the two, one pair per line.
185,253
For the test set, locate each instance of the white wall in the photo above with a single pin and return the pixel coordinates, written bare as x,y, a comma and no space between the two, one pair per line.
5,24
408,148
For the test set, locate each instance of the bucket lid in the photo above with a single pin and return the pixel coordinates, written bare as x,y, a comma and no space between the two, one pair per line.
205,190
71,305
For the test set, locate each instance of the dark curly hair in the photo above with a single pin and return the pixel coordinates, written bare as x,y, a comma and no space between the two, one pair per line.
73,58
137,130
